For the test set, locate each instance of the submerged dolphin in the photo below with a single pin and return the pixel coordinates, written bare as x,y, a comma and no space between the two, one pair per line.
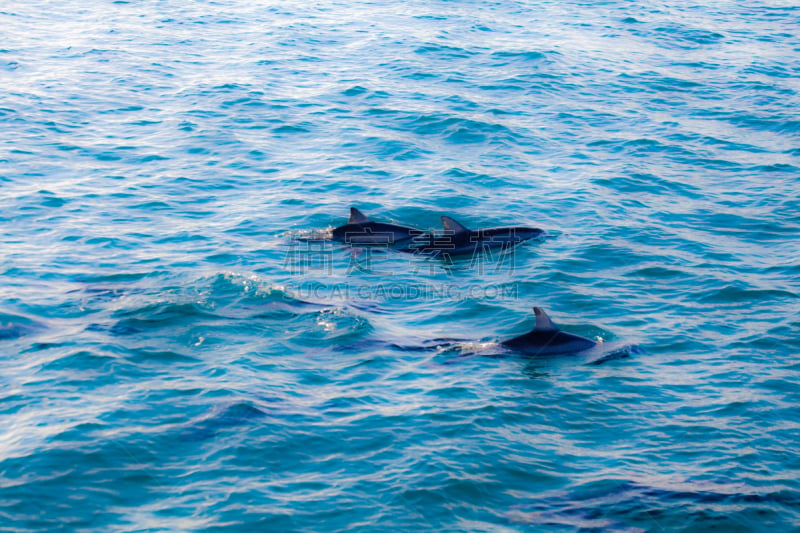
547,339
457,239
361,230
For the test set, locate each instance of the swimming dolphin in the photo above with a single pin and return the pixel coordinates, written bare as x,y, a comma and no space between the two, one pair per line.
361,230
547,339
458,240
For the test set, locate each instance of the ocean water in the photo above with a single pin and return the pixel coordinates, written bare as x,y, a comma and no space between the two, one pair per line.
175,359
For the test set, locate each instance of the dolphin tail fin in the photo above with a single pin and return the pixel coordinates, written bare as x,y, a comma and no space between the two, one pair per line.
543,322
451,225
357,217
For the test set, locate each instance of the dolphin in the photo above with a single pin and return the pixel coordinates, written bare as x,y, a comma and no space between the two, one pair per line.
361,230
547,339
458,239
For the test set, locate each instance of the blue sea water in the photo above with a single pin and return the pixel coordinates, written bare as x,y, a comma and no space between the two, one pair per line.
173,358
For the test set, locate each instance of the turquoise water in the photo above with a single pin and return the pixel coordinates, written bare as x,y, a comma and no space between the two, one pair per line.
174,359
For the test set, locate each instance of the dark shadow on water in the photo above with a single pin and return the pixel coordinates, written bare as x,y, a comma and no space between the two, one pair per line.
228,417
620,505
15,326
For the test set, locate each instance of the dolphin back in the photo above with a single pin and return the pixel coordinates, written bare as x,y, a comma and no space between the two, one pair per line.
361,230
547,339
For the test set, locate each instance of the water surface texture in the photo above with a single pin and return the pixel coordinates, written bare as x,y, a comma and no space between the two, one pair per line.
173,359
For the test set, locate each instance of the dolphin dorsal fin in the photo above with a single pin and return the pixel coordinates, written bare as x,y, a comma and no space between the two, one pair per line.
357,217
543,322
451,225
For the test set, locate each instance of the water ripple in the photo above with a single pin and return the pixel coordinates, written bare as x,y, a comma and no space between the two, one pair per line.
175,359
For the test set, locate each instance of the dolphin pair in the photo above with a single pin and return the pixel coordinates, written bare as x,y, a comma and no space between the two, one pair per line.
455,240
